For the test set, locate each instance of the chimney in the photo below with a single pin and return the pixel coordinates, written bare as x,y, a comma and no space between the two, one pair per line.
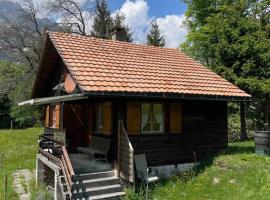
118,33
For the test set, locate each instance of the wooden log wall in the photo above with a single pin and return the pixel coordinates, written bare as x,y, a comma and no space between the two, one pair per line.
204,131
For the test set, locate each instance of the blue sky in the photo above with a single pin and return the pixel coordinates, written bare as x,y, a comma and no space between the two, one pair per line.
169,15
158,8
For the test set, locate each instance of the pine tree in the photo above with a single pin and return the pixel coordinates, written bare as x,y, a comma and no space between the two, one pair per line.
103,22
119,23
154,38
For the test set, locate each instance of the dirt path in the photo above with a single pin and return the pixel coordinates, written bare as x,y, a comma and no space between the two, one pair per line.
21,182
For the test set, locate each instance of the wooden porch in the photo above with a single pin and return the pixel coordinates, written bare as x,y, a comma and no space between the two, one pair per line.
75,167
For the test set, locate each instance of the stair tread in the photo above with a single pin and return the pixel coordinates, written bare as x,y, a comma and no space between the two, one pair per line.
114,194
92,189
95,173
100,179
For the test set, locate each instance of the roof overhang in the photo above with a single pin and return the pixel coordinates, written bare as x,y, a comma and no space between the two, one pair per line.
56,99
172,96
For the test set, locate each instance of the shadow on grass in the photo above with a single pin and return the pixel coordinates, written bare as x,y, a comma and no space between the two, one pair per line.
233,148
239,150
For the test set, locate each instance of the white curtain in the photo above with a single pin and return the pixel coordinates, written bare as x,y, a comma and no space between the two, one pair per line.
158,113
145,115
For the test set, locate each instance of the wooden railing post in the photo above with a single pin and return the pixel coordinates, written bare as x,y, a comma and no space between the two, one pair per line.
118,148
126,155
63,162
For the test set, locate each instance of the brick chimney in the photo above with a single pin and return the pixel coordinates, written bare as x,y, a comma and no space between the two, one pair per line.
118,33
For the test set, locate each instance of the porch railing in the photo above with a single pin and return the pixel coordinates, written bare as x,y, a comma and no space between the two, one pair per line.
57,153
125,155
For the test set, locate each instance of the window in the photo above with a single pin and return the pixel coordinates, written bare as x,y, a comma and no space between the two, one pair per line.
99,117
102,118
152,119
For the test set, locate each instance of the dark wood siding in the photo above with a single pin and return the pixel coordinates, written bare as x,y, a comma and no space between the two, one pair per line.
204,131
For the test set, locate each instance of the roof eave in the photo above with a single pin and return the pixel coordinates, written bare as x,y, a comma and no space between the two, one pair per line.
55,99
175,96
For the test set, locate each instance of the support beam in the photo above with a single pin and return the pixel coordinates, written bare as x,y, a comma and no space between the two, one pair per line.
243,135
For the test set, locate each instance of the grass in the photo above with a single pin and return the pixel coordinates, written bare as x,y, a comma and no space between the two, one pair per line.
19,148
235,174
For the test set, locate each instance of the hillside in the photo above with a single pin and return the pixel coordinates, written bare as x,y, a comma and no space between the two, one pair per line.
13,14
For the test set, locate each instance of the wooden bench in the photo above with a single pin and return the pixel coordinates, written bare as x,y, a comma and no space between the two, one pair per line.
99,146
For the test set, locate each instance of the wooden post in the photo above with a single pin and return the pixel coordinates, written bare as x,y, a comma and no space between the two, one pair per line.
118,148
195,159
5,187
243,135
11,125
266,124
2,161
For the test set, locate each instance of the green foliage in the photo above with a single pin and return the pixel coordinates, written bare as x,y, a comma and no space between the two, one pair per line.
15,87
103,22
154,38
19,148
234,126
4,111
233,39
234,174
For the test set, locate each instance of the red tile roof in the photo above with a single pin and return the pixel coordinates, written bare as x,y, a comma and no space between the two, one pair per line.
100,65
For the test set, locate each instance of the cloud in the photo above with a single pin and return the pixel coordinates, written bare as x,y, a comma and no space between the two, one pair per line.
171,26
138,19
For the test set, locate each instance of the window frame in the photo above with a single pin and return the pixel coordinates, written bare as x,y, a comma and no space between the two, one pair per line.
152,112
98,115
52,117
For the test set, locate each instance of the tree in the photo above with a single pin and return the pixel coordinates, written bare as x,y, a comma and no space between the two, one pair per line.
119,23
232,38
21,39
74,15
154,38
103,22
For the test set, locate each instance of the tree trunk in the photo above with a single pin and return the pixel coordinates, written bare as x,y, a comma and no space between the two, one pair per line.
267,118
243,135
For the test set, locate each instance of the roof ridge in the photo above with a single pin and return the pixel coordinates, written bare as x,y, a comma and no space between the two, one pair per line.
113,41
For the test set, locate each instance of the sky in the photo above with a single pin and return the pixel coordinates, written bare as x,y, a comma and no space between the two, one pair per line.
140,13
169,15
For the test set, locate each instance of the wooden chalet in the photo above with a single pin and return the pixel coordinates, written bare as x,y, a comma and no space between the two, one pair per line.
143,99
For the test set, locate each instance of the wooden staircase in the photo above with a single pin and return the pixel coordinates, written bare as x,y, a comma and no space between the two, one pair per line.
93,186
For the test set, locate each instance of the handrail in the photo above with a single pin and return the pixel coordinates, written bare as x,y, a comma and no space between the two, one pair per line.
126,155
127,138
67,161
64,163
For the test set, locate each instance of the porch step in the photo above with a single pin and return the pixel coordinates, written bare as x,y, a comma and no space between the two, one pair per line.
95,186
109,196
95,175
95,191
98,182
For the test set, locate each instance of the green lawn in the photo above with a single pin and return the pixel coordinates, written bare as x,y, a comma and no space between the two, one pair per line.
235,174
19,148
